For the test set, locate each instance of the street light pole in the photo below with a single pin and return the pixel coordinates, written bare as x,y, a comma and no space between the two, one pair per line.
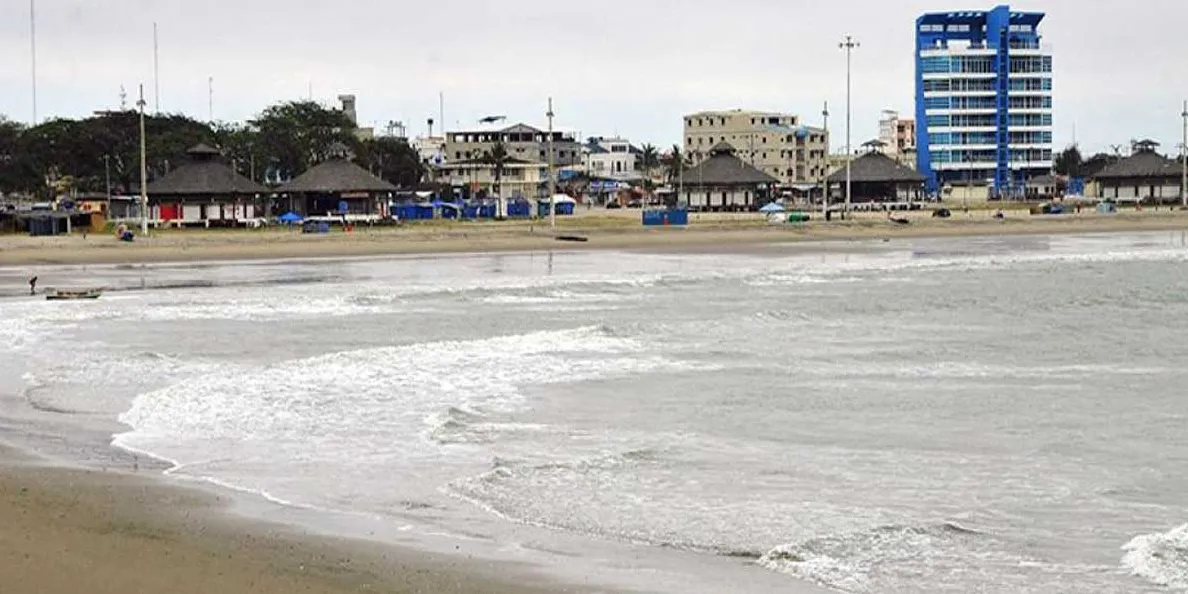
143,169
825,169
107,178
849,44
1184,159
552,182
33,53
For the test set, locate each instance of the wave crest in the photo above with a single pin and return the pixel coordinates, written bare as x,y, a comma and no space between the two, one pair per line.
848,562
1160,558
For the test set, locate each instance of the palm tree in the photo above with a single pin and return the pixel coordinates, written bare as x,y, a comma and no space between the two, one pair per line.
649,157
498,157
673,163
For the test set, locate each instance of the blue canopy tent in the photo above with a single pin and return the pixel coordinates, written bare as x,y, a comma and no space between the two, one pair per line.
448,210
562,202
771,208
519,208
289,218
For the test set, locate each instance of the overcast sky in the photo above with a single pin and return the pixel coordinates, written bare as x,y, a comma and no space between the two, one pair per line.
630,67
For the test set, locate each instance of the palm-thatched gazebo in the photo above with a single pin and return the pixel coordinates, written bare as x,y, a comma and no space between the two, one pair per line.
337,189
1144,175
723,182
875,177
206,192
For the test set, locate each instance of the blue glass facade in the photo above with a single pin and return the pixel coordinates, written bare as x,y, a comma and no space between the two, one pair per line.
983,99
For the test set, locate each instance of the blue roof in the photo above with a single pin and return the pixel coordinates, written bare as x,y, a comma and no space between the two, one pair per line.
978,17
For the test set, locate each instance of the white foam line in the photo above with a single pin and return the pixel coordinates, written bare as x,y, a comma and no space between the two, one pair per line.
175,466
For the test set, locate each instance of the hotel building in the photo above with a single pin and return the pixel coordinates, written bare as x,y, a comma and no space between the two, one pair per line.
983,100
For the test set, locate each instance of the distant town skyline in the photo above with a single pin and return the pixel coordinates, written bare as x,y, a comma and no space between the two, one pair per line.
626,68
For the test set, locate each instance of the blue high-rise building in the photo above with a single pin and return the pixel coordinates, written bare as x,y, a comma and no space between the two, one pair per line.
983,100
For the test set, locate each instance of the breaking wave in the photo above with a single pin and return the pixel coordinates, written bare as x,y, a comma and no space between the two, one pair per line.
1160,558
853,562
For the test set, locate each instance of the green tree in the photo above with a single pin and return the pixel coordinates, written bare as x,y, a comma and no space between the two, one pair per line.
392,160
241,146
649,158
299,134
674,162
498,158
14,175
86,151
1068,162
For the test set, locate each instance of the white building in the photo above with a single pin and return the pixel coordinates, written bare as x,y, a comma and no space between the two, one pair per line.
612,158
898,137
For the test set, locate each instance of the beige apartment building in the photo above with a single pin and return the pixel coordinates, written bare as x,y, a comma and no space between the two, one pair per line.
521,141
898,135
775,143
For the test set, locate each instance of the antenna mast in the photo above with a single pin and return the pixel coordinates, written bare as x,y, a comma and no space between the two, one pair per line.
156,74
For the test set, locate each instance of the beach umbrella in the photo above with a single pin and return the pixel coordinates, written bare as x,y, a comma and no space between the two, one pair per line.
772,207
289,217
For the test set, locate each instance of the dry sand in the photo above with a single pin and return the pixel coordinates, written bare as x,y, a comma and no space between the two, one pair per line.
66,531
603,231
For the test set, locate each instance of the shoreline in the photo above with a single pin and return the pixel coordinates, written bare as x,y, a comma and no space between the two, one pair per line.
238,245
112,532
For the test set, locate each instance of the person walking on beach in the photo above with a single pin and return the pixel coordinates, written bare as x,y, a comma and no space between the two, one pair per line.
33,286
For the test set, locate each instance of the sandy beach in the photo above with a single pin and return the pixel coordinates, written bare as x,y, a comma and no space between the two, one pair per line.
66,531
618,230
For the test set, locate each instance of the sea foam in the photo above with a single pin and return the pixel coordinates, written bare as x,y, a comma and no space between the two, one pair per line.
1160,558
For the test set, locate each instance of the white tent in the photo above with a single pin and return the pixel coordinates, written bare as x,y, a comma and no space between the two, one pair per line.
561,199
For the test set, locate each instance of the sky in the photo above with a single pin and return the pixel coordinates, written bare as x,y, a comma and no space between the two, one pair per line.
612,67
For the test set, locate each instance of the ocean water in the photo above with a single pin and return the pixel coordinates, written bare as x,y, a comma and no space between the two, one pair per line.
958,415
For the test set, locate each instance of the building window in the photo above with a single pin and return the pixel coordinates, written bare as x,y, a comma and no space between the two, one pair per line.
934,64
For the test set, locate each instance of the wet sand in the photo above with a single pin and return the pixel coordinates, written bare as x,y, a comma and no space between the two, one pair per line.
66,531
601,232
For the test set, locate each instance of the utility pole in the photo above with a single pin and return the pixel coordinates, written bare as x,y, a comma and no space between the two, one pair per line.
210,98
552,181
1184,159
33,53
849,44
107,177
156,75
825,169
680,159
143,169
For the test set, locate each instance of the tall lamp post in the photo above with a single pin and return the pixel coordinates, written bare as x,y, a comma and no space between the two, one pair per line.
825,169
33,53
552,181
1184,159
143,169
849,44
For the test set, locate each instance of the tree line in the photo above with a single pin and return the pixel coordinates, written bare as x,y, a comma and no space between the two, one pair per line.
62,155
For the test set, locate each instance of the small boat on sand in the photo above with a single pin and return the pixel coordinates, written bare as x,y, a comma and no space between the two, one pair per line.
62,294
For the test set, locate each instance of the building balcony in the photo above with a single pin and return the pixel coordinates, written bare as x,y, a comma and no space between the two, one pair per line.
956,50
962,111
964,165
962,147
956,75
1017,165
986,93
951,129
